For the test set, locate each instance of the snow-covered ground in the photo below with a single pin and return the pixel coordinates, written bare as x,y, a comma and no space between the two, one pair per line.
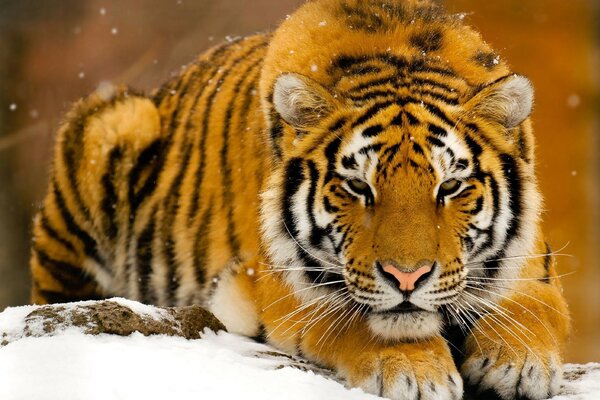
72,365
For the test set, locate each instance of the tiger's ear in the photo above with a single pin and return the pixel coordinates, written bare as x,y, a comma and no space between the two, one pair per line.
300,101
508,101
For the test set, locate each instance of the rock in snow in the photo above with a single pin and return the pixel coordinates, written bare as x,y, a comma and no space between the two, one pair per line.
120,349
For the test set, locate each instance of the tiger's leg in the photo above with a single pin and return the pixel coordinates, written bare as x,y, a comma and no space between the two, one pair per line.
80,234
515,351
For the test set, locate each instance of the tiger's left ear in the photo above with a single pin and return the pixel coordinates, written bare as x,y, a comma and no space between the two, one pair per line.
508,101
301,101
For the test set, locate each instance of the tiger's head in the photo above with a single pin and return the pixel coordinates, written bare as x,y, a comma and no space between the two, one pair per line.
398,188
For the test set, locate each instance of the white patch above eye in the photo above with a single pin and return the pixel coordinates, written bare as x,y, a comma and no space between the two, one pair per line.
442,162
366,164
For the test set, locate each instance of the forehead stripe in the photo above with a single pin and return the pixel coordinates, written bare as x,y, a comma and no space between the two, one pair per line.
435,141
372,131
371,111
437,131
438,113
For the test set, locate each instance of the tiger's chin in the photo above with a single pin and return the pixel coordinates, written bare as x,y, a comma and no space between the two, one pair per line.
412,325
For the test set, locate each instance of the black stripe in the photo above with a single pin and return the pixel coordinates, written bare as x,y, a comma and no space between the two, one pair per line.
370,148
436,130
412,120
201,245
421,65
492,266
337,124
170,207
145,256
452,156
89,245
547,264
461,163
349,162
275,133
427,41
417,148
110,201
372,131
328,132
330,208
73,144
466,192
294,177
371,112
474,147
435,141
390,152
316,233
448,99
226,179
371,95
423,82
478,206
151,157
370,85
70,276
433,109
52,233
261,336
206,113
467,242
511,174
495,211
214,61
330,154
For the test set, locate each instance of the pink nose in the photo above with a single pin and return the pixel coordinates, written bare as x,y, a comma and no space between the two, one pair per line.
406,279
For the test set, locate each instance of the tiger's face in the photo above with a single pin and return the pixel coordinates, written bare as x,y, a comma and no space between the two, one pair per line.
399,209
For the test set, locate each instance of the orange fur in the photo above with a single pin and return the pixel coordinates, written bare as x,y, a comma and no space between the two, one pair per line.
271,178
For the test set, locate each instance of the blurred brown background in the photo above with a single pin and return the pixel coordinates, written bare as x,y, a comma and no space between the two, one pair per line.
52,53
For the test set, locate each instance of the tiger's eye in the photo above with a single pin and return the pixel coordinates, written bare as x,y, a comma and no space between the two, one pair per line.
450,186
358,186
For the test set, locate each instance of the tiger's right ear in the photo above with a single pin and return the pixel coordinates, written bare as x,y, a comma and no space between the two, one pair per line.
508,101
301,101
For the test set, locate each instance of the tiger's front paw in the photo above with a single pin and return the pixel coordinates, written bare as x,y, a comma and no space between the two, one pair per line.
399,373
508,370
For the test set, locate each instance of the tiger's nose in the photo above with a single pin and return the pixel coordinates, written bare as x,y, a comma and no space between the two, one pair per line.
407,280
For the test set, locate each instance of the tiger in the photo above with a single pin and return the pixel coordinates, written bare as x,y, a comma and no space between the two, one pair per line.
356,187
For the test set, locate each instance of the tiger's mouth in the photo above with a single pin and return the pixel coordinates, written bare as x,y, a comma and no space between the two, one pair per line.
404,307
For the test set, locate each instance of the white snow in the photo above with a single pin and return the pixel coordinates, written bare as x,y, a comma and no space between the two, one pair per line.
141,309
72,365
77,366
